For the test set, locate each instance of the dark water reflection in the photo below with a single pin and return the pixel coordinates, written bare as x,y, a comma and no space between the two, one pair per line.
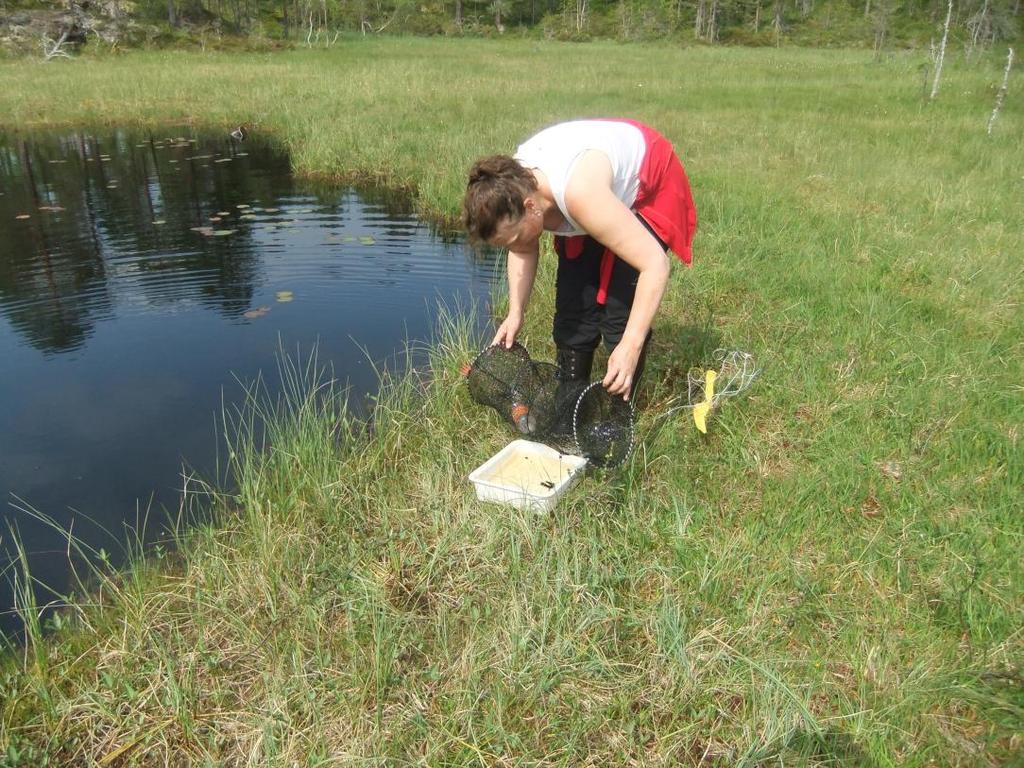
125,316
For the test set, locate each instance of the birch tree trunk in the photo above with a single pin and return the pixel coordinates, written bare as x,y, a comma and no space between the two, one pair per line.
1002,92
979,24
942,52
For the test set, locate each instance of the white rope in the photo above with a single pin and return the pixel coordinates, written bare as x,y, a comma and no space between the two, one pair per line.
736,372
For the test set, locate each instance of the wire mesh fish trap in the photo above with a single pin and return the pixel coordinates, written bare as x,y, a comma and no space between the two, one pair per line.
576,417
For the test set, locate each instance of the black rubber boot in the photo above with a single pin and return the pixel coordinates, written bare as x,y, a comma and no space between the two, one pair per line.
574,364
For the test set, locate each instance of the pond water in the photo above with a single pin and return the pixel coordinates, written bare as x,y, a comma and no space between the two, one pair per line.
141,277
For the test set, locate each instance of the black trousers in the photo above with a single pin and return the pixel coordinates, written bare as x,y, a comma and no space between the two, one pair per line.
580,322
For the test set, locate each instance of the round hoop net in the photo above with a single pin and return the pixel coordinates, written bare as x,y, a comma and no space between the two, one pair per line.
577,417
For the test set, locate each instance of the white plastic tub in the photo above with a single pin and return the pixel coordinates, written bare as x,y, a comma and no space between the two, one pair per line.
526,475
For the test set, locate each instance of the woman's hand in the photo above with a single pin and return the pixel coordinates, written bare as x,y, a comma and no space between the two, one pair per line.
508,330
621,366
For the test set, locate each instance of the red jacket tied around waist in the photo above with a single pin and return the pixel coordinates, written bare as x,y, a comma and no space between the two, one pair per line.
663,200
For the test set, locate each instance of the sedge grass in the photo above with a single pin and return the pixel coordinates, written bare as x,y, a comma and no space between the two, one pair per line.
830,577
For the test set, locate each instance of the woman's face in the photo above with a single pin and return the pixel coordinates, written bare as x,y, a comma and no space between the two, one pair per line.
520,234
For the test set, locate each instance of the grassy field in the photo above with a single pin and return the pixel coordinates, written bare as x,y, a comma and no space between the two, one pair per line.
832,576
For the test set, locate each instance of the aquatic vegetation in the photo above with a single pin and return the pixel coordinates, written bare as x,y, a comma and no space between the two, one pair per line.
252,314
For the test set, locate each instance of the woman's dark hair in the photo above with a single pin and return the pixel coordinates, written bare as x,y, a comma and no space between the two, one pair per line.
498,186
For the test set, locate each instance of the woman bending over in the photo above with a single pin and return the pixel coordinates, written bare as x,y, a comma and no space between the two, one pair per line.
617,199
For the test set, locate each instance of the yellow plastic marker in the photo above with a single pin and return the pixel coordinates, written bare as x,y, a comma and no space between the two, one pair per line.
701,410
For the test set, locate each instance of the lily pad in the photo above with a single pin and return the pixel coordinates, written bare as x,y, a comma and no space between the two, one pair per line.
223,213
203,230
367,240
271,210
158,222
224,232
242,205
22,216
284,296
252,314
248,217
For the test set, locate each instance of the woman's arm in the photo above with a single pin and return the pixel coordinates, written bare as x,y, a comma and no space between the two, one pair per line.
593,205
522,269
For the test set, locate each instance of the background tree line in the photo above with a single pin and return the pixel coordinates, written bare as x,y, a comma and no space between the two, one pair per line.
746,22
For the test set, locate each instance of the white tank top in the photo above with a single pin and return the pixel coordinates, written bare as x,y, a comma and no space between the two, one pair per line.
556,150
